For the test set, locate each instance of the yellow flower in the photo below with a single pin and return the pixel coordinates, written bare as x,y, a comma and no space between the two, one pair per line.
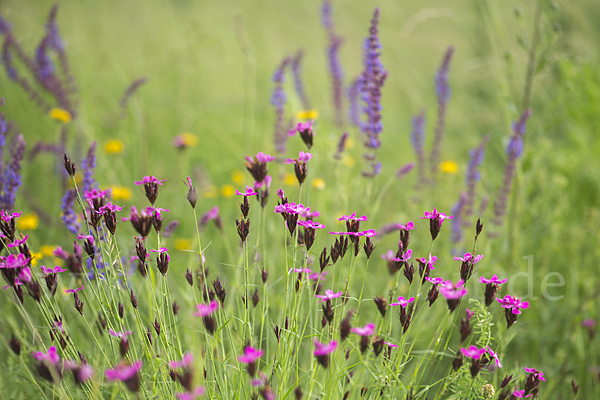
114,146
238,177
120,193
78,177
35,257
449,167
290,179
349,143
308,114
47,250
209,192
185,139
349,161
318,183
28,222
227,190
183,244
61,115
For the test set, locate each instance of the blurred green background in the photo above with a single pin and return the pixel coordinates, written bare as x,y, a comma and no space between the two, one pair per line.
209,67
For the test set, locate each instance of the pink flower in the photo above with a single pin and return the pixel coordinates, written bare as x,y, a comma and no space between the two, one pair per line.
25,275
473,352
261,158
588,323
303,157
408,227
329,295
148,180
435,281
389,255
494,356
14,261
291,208
494,280
188,358
403,302
206,309
435,214
469,314
302,126
352,217
50,357
73,290
95,194
248,192
536,373
316,276
6,217
405,257
197,392
311,224
367,233
367,330
87,237
520,394
469,258
18,242
123,372
250,355
109,208
430,262
324,349
119,335
392,345
513,303
451,291
54,270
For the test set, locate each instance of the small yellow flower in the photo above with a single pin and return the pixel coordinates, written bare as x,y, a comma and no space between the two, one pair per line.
290,179
449,167
349,161
209,192
185,139
47,250
349,143
238,177
60,115
318,183
308,114
120,193
114,146
183,244
28,222
227,191
35,257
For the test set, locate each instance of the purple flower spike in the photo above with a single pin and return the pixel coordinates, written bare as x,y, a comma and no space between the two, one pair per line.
278,100
473,352
335,65
329,295
206,309
250,355
367,330
403,302
493,280
417,139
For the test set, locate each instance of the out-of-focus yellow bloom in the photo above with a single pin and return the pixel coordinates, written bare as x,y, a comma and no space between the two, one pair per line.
340,215
47,250
308,114
318,183
449,167
35,257
120,193
209,192
227,191
290,179
238,177
184,140
60,115
183,244
78,177
28,222
114,146
349,143
349,161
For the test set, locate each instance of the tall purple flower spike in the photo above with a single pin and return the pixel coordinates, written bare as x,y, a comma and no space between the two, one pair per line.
333,57
278,100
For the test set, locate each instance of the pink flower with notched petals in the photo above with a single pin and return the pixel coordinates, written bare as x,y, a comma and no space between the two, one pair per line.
73,290
188,358
367,330
311,224
17,283
15,261
536,373
148,180
403,302
329,295
520,394
248,192
473,352
435,214
119,335
435,281
6,217
494,280
513,303
291,208
389,255
123,372
25,275
300,270
302,126
316,276
405,257
250,355
109,208
266,182
54,270
470,258
18,242
352,217
197,392
408,227
367,233
451,291
206,309
392,345
95,194
324,349
430,262
50,357
261,158
494,356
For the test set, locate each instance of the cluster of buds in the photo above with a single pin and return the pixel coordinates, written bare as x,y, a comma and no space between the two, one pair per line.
465,326
162,260
96,199
77,303
300,166
434,292
339,248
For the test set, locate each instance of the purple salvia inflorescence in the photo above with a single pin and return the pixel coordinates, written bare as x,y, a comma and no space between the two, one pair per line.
457,223
514,151
443,95
471,180
131,89
69,217
417,139
333,57
87,166
296,74
353,93
278,100
371,81
11,175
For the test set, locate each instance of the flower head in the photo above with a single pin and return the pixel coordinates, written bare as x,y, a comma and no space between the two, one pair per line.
119,335
324,349
409,226
453,291
367,330
206,309
188,358
470,258
473,352
250,355
513,303
123,372
73,290
329,295
353,217
51,357
536,373
403,302
248,192
149,180
493,280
